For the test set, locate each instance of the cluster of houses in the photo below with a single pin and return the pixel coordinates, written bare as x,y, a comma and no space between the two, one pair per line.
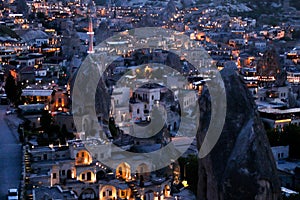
43,45
73,170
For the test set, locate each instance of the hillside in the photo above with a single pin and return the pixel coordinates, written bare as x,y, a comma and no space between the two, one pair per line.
7,32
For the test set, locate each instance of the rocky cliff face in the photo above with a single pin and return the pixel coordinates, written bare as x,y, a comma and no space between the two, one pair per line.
241,165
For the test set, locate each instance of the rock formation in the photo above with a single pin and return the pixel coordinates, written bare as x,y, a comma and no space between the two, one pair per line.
269,64
169,11
102,32
241,165
281,78
174,61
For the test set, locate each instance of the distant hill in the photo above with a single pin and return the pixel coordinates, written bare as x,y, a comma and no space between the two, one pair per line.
252,4
154,3
261,4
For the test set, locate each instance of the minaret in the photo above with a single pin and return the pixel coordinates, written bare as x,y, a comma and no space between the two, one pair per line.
90,31
91,36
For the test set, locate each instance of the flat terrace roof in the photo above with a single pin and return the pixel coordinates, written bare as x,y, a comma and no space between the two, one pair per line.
36,92
278,111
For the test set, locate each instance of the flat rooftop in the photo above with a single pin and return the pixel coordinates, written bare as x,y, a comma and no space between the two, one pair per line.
33,92
278,111
287,166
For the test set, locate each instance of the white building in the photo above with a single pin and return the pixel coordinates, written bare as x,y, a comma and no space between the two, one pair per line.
149,93
25,61
280,152
260,44
121,96
41,72
120,104
137,110
278,118
187,98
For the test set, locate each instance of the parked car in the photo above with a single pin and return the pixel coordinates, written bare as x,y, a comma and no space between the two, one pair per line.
13,194
12,111
8,112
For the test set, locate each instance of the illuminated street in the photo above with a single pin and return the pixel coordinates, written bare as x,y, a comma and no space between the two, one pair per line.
10,157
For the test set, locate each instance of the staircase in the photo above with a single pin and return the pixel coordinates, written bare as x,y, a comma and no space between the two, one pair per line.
134,190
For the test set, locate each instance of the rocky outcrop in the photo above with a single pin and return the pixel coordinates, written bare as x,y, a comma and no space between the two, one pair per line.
281,78
174,61
241,165
169,10
102,32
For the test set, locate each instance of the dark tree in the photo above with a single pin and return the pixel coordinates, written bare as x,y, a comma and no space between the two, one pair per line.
65,133
40,16
22,7
46,120
189,171
290,135
112,127
12,90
